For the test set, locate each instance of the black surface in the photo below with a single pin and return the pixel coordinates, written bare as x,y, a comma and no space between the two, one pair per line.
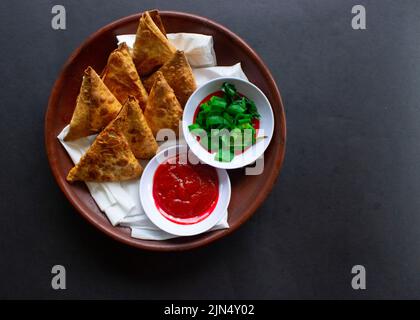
348,193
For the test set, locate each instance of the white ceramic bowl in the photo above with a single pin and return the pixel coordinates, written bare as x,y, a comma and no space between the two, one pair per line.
252,92
153,213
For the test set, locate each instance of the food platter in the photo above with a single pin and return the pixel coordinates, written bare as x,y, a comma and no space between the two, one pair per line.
248,192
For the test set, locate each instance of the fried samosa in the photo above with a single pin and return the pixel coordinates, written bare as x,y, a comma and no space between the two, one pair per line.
121,77
109,158
136,130
163,110
151,48
178,73
154,14
96,106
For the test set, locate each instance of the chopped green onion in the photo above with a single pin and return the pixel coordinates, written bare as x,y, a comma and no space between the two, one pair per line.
242,121
214,120
235,109
216,101
193,126
224,155
229,90
227,122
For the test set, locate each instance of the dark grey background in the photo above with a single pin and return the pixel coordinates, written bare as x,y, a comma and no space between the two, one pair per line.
348,193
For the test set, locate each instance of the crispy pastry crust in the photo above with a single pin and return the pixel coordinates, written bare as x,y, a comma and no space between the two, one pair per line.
178,73
109,158
133,123
121,77
151,48
154,14
163,110
96,106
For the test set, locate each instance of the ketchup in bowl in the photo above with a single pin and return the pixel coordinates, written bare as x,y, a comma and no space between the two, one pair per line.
185,193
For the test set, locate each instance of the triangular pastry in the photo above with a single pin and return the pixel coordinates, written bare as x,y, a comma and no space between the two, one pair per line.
154,14
96,106
136,130
163,110
109,158
151,48
178,73
121,77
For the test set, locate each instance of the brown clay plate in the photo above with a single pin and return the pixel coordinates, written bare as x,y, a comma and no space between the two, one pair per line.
248,192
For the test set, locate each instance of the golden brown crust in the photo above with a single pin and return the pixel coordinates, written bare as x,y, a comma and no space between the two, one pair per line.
151,48
95,107
178,73
121,77
154,14
109,158
136,130
163,110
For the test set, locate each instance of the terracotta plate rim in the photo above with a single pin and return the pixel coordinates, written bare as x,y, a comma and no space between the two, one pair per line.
113,232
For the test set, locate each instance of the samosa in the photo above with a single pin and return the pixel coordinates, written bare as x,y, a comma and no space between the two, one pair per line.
96,106
178,73
154,14
109,158
151,48
132,123
121,77
163,110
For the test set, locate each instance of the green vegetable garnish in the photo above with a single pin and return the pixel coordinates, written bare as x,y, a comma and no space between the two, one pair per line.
228,123
193,126
224,155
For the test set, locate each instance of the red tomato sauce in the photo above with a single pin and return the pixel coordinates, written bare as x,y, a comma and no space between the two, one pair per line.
185,193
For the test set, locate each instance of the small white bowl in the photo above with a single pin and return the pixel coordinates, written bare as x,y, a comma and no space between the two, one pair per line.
153,213
266,129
